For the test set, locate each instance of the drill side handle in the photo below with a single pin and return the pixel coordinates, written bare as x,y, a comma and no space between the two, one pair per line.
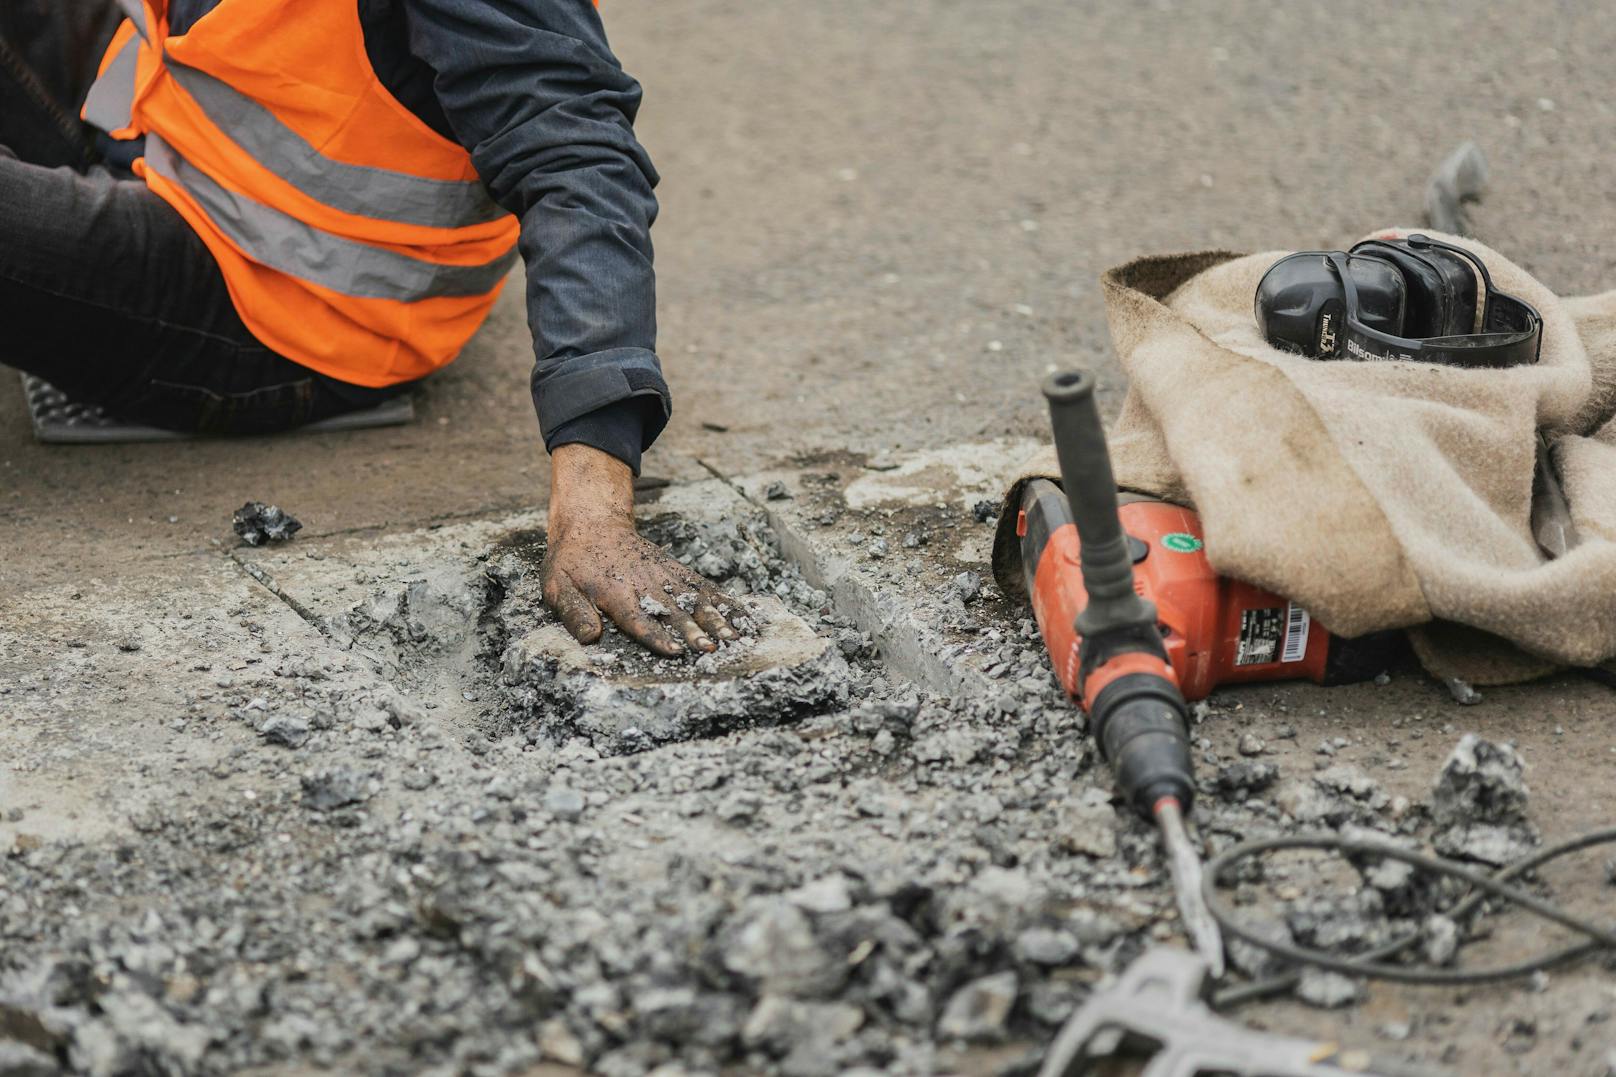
1091,489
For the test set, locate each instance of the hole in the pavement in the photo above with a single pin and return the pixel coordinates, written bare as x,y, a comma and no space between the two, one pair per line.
476,627
622,699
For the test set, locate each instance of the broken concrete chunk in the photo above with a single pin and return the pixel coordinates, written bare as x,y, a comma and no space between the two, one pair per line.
1479,804
979,1011
1481,782
772,942
1327,990
1087,825
1046,946
827,895
338,787
1237,781
1439,940
288,732
1486,843
782,1025
968,586
20,1060
258,523
564,803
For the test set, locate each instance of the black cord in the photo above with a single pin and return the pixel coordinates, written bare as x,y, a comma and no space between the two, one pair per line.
1372,963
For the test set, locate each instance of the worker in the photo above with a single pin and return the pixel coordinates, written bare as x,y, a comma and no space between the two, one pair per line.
240,216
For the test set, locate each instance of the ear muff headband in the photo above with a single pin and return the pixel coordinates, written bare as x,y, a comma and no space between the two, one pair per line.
1513,328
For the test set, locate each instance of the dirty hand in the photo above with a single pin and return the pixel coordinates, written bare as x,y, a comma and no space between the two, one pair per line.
597,564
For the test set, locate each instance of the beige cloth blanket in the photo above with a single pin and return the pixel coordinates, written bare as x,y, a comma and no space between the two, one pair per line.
1377,495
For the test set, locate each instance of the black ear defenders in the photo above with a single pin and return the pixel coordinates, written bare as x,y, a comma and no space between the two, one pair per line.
1403,299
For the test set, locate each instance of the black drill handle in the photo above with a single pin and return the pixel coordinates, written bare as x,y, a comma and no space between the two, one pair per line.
1140,719
1085,466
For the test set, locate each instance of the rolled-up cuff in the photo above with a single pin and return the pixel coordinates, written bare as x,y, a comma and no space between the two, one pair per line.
621,429
616,401
565,389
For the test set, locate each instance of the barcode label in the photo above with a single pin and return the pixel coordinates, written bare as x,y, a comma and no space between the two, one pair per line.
1297,624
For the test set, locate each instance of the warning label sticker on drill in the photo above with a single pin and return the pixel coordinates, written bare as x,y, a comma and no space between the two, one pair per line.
1261,633
1272,635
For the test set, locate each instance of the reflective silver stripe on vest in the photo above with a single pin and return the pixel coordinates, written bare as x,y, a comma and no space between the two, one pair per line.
365,192
137,14
113,94
278,241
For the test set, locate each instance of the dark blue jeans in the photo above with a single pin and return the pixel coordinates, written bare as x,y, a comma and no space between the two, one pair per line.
105,291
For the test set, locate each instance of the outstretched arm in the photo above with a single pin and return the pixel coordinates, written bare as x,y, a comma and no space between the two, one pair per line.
532,90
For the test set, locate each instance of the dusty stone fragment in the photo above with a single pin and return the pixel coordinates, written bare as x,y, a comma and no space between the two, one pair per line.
1439,940
1390,876
1462,693
1251,744
1486,844
968,586
1255,961
771,941
20,1060
99,1051
142,1026
371,719
827,895
558,1044
258,523
1087,824
776,491
287,731
1237,781
338,787
1339,922
1479,803
1480,782
1046,946
1348,780
564,803
739,807
983,511
978,1011
1327,990
783,1025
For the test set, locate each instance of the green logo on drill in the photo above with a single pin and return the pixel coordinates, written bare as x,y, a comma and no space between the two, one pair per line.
1180,542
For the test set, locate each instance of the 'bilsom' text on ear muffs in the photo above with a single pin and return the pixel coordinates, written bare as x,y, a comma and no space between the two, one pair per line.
1415,299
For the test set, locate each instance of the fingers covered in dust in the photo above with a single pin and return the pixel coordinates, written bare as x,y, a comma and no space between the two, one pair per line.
598,564
615,573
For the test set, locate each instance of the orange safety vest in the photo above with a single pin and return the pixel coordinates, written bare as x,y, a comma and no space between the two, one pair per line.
354,239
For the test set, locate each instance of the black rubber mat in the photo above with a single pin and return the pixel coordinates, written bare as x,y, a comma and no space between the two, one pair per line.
63,421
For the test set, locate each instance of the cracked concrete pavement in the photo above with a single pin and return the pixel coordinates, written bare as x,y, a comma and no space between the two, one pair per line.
881,224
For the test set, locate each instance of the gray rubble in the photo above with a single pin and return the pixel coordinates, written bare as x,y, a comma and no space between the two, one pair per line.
774,861
1479,804
258,524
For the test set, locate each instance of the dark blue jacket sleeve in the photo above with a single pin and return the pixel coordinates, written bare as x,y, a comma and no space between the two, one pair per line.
532,90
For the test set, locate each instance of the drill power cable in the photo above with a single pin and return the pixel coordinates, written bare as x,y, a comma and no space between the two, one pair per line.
1373,964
